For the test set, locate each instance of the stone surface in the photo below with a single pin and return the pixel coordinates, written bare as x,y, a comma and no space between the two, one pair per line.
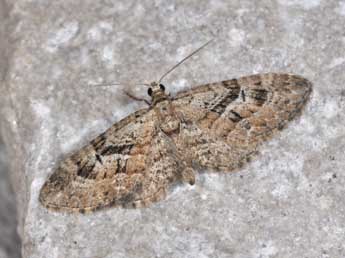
9,239
288,202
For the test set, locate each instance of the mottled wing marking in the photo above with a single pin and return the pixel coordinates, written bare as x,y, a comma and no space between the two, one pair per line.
217,126
228,120
129,165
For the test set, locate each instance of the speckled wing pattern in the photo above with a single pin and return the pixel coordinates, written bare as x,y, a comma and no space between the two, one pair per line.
129,165
216,126
229,119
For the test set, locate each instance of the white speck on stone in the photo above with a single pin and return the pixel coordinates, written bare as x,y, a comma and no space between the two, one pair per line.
84,56
108,53
270,250
203,197
106,26
327,176
331,109
177,86
181,53
281,191
214,182
171,7
306,4
236,37
62,36
303,184
139,10
41,109
2,253
296,40
74,137
42,137
295,167
242,11
108,56
97,31
56,73
11,117
306,126
325,203
178,190
329,132
219,4
36,184
257,68
155,45
336,62
124,111
48,244
341,8
94,34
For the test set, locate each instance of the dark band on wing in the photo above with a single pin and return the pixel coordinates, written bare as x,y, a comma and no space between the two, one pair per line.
118,166
121,165
99,142
234,116
243,96
86,170
116,149
128,199
231,84
99,159
260,95
226,100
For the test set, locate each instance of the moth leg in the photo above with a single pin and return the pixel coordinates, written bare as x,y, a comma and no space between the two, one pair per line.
136,98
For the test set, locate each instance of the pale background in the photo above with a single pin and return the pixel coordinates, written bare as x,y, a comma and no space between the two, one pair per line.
288,202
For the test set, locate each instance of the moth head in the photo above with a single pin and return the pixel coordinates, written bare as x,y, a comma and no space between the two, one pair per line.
157,92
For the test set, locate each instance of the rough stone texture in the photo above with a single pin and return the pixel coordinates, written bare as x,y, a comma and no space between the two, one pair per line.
9,239
288,202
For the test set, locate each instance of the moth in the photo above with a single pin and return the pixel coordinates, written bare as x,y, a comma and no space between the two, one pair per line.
217,126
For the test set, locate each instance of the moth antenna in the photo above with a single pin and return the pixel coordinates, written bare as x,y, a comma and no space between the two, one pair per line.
115,84
184,59
143,84
106,84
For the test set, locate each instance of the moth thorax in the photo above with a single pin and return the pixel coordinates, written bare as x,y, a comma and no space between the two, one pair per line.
169,122
157,92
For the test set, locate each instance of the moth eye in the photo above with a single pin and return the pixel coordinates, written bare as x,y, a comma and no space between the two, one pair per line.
149,91
162,87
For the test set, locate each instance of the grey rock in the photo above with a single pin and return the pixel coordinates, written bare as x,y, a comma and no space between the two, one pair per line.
9,240
288,202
